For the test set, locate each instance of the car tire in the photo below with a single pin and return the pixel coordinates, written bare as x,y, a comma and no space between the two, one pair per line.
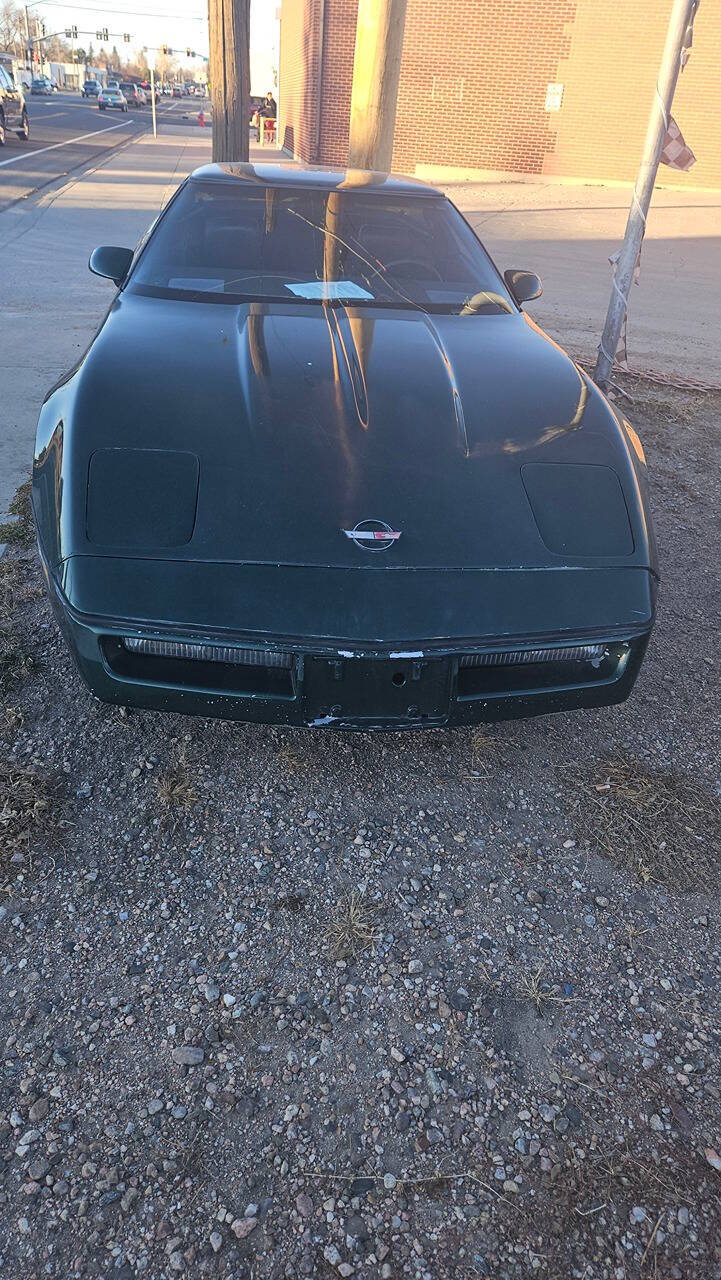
2,129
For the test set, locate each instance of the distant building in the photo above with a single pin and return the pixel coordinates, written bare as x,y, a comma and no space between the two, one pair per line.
558,87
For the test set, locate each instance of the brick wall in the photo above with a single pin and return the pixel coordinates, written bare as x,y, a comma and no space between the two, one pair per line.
471,78
474,77
606,100
338,49
299,77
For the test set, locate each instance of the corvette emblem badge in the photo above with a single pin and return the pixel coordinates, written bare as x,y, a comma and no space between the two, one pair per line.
372,535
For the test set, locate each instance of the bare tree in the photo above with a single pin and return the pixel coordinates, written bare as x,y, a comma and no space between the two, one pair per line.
166,67
229,76
12,27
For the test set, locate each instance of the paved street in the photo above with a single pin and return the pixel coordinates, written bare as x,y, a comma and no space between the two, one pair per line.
66,132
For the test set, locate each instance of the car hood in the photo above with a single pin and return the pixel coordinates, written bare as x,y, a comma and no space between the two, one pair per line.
306,421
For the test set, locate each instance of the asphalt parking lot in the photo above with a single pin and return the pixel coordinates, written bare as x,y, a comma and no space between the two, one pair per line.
281,1003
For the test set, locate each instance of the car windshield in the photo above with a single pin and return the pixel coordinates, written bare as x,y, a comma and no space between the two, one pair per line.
218,240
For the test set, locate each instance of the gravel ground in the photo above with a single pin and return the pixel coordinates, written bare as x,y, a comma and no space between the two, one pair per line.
289,1003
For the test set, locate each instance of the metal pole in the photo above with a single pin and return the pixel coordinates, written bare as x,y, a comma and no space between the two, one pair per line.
152,101
681,15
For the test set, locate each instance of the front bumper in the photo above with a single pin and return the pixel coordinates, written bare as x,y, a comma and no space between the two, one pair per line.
332,683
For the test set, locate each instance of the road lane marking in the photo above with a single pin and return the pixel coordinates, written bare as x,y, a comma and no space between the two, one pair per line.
95,133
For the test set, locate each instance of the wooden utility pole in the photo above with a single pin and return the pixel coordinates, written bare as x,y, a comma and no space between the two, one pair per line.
682,15
229,75
376,72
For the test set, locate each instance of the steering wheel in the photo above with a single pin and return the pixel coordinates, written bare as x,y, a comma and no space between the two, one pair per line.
414,262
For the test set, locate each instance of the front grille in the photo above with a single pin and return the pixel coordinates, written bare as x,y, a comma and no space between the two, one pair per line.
518,657
208,668
519,671
209,652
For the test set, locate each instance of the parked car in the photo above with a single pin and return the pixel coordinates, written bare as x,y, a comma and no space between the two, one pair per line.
90,89
41,85
113,84
402,505
177,91
13,111
111,98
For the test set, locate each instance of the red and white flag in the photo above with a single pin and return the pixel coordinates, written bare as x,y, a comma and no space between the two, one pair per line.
675,151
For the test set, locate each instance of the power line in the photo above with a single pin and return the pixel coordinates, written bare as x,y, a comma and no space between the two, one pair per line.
130,13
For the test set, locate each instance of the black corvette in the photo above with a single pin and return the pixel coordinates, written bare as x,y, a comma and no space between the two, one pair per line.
317,467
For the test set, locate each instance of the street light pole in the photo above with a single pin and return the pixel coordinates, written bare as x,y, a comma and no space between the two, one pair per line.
681,16
229,73
376,72
152,100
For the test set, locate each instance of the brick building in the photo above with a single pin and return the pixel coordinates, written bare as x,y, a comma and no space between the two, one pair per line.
557,87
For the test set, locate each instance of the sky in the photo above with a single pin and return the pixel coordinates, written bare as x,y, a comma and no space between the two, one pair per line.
177,23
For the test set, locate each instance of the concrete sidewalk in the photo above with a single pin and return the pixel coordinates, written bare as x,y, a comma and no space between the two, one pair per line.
51,303
566,233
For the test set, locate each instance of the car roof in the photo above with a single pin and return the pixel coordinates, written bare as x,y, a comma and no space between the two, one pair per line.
306,176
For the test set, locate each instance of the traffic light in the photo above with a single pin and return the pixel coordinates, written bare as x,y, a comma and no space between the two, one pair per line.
187,52
73,33
68,33
164,48
105,35
126,37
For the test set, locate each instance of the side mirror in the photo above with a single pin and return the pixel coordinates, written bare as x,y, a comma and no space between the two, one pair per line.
524,285
112,262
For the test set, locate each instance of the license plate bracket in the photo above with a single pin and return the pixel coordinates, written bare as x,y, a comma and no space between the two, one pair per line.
377,689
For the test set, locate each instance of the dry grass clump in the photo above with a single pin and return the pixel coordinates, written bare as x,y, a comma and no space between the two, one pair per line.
12,718
175,787
490,753
534,987
592,1198
660,826
351,928
20,532
15,662
30,809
